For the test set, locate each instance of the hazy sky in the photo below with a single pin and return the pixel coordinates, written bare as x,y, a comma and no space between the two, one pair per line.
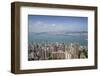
41,23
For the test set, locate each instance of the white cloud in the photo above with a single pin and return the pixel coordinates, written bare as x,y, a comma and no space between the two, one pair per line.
40,26
53,25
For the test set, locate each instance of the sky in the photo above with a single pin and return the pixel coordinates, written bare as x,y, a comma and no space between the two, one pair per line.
43,23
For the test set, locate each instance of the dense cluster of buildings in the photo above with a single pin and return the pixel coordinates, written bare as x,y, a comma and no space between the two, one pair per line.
50,51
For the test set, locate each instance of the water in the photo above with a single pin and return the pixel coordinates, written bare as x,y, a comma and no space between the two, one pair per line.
67,39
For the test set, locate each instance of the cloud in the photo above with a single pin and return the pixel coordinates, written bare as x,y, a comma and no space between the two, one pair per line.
42,26
57,23
53,25
39,26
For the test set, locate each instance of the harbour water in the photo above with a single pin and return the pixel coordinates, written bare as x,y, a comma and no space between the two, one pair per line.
67,39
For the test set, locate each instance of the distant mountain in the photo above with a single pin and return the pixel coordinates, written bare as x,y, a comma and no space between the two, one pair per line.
62,33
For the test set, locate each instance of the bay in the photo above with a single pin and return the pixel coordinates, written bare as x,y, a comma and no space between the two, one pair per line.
52,38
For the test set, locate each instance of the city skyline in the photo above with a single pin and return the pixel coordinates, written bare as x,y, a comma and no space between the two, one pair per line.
41,23
57,37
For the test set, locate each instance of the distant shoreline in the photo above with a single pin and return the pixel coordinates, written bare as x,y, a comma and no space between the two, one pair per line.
60,33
